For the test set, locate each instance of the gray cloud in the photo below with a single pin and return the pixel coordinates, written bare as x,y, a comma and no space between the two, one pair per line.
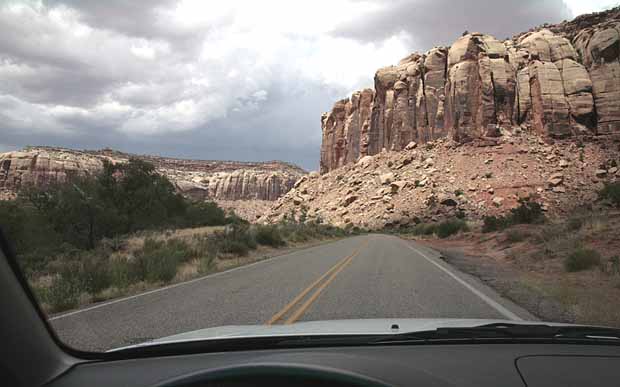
441,22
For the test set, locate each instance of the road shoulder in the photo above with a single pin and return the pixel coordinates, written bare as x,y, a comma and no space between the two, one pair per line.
452,262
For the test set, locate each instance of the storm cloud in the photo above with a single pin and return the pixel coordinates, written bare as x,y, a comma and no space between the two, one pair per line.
439,22
213,80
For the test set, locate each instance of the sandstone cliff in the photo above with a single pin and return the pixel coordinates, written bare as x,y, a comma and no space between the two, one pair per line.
200,179
556,81
468,130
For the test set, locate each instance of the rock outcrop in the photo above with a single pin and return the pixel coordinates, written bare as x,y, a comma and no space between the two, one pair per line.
469,130
199,179
556,81
446,179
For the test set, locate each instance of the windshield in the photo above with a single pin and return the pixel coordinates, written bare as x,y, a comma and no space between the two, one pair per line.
186,170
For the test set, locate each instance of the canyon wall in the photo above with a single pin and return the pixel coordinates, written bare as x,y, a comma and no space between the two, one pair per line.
556,81
199,179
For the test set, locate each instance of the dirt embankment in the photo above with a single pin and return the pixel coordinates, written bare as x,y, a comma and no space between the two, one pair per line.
531,265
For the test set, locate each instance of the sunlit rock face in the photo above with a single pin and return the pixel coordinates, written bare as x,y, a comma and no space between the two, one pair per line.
199,179
557,81
599,49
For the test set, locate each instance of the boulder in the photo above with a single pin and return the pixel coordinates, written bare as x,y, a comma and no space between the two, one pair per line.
386,178
555,179
498,201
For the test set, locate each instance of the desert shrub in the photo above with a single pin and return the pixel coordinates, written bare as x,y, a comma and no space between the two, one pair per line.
203,214
611,193
233,246
124,272
527,212
574,223
114,244
64,292
582,259
424,229
181,249
515,236
205,264
236,240
158,260
269,236
615,264
93,273
493,223
450,227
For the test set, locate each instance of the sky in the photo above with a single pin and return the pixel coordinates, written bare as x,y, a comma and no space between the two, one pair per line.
232,80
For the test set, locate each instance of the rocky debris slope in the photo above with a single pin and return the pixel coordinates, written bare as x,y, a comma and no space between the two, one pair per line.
250,210
560,81
444,178
199,179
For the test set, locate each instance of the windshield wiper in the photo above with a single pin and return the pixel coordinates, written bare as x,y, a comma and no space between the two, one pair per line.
508,331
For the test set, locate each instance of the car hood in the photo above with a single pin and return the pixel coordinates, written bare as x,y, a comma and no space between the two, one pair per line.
329,327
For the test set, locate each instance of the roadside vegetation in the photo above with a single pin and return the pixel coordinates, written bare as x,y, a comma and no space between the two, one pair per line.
442,229
528,212
127,230
560,268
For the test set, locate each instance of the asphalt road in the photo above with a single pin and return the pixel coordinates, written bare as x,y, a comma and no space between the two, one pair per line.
372,276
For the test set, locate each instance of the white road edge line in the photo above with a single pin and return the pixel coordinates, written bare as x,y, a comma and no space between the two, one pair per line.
175,285
492,303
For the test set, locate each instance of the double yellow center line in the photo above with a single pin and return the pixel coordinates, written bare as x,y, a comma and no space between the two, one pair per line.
320,284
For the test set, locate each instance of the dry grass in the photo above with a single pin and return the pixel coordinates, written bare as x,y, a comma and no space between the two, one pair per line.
531,258
136,242
185,271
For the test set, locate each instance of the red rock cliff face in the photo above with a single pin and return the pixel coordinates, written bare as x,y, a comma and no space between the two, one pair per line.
559,81
200,179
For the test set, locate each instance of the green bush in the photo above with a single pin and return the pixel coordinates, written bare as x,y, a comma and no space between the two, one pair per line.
615,264
159,259
494,223
424,229
203,214
63,294
611,193
205,264
527,212
582,259
269,236
114,244
234,247
235,240
94,273
451,227
124,272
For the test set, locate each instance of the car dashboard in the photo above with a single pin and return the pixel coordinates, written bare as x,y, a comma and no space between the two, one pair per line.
394,365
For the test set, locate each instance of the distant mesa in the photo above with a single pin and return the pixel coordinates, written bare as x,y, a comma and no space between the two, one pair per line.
198,179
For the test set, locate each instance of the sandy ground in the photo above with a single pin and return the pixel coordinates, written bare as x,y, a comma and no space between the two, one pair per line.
525,264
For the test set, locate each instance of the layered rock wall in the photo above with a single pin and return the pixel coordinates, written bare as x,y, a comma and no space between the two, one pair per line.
558,81
199,179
